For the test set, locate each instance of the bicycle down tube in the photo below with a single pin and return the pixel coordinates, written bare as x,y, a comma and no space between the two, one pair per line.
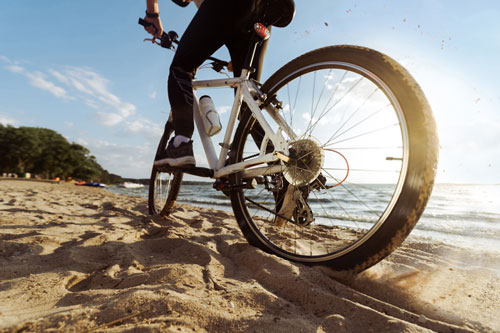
242,94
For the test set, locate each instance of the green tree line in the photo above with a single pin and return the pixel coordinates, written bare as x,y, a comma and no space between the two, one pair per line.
47,154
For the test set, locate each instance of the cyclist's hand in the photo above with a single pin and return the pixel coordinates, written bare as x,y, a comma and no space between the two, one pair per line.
156,29
230,66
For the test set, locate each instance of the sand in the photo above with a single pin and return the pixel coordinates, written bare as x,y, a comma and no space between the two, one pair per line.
83,259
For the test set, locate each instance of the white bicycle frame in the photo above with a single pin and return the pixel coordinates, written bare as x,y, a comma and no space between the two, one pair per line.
245,88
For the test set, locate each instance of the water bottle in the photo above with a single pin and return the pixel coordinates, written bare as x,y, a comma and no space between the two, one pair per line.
210,116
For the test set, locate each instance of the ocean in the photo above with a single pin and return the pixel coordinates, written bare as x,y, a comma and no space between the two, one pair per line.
466,216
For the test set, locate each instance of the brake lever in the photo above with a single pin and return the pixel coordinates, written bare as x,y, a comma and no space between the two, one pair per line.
152,40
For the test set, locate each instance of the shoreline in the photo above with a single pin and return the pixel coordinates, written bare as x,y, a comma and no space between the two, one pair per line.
79,258
464,216
31,180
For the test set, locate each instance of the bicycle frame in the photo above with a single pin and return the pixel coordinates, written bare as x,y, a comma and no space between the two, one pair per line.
245,87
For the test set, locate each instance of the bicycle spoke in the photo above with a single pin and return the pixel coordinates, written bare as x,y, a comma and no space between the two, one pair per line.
322,90
369,148
292,110
321,205
355,196
361,170
312,101
335,104
334,92
336,134
362,134
338,204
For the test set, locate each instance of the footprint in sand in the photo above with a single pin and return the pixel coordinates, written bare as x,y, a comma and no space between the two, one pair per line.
90,255
199,223
12,249
174,251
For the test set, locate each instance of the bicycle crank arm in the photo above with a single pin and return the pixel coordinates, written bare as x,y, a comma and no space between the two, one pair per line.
225,186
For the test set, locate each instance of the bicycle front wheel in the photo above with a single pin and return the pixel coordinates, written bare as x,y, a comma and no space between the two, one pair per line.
164,185
363,153
163,190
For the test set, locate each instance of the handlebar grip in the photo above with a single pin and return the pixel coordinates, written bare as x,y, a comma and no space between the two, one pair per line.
144,23
166,39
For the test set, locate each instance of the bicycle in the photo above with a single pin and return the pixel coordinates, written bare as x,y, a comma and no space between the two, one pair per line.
332,160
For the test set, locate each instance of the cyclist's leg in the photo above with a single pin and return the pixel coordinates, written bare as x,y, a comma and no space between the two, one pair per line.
238,50
214,24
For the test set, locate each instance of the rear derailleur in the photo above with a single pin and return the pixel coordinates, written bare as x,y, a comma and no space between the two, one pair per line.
291,201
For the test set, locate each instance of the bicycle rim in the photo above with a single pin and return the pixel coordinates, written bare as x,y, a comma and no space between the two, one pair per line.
164,190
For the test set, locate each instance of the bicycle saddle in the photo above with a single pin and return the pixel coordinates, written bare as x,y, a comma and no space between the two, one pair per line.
278,13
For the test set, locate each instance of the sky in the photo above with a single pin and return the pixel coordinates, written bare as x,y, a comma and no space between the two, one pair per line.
81,68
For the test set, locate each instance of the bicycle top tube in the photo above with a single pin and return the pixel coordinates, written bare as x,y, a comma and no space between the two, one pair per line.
229,82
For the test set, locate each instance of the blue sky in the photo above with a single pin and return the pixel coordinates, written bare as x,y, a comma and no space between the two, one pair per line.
81,68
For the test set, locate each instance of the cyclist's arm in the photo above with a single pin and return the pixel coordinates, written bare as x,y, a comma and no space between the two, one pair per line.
152,8
157,28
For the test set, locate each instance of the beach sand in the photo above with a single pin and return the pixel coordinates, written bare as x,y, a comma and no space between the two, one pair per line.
83,259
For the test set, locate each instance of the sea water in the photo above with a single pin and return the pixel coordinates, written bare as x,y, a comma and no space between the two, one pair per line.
460,215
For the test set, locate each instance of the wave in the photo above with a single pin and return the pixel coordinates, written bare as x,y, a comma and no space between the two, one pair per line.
203,202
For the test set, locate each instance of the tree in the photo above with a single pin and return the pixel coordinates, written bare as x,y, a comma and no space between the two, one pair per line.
46,153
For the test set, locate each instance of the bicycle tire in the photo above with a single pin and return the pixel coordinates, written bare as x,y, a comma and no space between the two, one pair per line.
164,186
410,191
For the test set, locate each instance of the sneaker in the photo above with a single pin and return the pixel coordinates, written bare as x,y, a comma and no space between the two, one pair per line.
181,156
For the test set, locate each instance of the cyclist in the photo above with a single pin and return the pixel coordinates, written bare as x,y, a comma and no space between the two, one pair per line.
216,23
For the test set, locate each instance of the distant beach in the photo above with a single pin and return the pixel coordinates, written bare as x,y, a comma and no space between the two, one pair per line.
79,259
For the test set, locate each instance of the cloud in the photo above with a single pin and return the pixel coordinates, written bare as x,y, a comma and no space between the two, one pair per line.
125,160
6,119
94,90
39,80
76,83
15,69
224,108
143,127
108,118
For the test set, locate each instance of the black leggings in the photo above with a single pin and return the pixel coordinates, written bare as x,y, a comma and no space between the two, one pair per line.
217,23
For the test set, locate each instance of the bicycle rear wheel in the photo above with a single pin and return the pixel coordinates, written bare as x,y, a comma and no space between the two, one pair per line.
363,147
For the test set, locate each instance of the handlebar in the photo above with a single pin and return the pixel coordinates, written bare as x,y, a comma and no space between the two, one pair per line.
168,39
